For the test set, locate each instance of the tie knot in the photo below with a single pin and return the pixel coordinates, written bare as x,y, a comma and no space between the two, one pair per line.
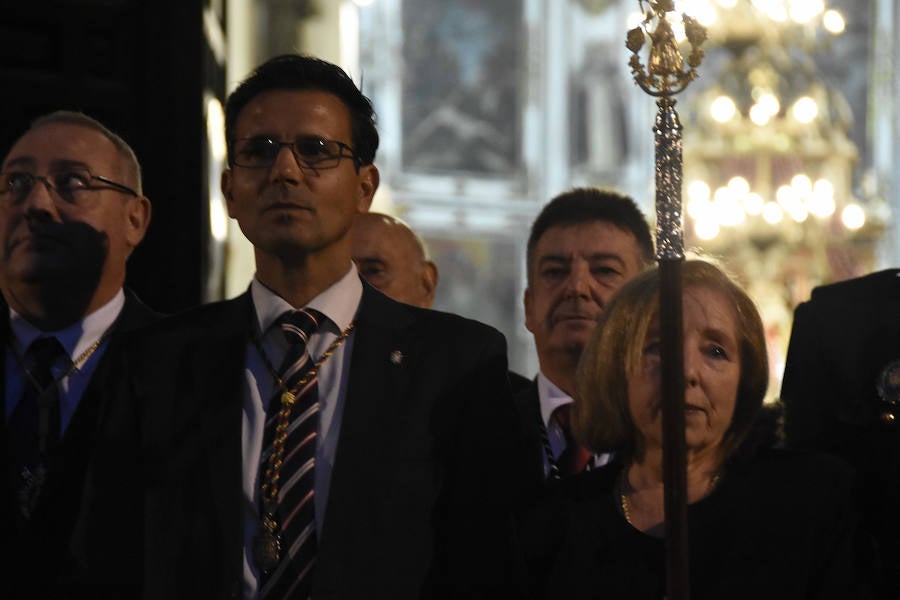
299,324
562,414
45,351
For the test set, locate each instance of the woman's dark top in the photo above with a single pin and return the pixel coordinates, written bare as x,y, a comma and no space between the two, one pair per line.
777,526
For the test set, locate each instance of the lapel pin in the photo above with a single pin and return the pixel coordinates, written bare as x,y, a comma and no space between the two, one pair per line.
396,357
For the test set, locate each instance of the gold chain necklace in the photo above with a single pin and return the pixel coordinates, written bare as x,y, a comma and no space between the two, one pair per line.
268,544
626,506
77,363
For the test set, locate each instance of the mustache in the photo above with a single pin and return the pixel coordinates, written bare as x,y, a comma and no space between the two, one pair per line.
279,193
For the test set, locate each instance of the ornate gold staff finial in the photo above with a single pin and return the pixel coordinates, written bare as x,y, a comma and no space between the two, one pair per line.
665,74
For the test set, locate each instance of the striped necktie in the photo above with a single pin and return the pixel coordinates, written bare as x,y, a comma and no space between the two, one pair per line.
293,506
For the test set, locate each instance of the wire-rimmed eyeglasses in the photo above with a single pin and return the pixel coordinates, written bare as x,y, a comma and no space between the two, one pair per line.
310,152
70,184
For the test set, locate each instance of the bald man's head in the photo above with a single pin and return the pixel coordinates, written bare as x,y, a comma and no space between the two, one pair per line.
392,258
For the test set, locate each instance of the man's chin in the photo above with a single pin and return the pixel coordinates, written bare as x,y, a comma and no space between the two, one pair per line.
576,327
34,267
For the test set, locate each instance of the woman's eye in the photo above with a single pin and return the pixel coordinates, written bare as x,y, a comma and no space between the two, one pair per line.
651,349
717,351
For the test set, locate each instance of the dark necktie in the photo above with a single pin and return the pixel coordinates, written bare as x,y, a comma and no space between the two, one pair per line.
574,458
294,506
35,424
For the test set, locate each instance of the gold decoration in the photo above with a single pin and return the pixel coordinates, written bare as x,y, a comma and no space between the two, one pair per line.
665,74
268,544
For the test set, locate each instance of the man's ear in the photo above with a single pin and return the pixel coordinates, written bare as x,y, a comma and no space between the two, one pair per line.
225,183
429,281
369,179
137,219
526,298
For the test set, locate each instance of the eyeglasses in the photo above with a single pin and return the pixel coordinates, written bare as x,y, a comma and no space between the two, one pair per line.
310,152
70,184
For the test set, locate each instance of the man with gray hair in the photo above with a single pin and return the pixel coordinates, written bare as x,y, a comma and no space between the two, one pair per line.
71,212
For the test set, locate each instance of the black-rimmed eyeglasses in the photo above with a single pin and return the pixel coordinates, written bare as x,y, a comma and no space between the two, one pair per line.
310,152
70,184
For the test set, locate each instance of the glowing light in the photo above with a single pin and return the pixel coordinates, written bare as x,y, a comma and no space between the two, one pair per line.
722,109
772,213
769,103
853,216
799,212
363,3
218,218
759,115
834,22
727,3
726,207
753,204
706,230
699,190
823,187
802,185
821,206
702,10
699,209
774,9
805,109
804,11
739,185
786,196
215,126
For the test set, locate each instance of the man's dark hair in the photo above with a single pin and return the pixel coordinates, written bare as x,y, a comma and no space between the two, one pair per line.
296,72
585,205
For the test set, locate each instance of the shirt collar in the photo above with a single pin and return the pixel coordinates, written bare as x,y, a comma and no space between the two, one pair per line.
550,397
338,302
77,337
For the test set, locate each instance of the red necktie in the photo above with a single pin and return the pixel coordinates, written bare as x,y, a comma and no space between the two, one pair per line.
574,458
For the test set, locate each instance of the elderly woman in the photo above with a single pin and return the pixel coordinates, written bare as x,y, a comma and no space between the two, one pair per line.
764,524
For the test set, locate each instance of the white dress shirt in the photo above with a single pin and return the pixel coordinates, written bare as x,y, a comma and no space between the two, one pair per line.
75,339
551,398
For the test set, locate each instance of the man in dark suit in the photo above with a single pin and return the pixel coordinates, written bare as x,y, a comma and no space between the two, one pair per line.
406,493
393,258
71,212
583,246
841,394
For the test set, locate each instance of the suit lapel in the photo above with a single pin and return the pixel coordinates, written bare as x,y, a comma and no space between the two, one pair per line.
68,464
219,363
378,376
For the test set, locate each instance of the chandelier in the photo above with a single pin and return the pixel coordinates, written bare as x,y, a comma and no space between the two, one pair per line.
768,163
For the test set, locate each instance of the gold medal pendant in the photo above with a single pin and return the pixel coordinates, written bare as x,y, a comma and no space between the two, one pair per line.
266,551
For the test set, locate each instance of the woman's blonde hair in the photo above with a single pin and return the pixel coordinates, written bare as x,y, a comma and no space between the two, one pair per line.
601,416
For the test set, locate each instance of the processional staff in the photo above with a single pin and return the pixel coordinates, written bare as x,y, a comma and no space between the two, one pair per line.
665,76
